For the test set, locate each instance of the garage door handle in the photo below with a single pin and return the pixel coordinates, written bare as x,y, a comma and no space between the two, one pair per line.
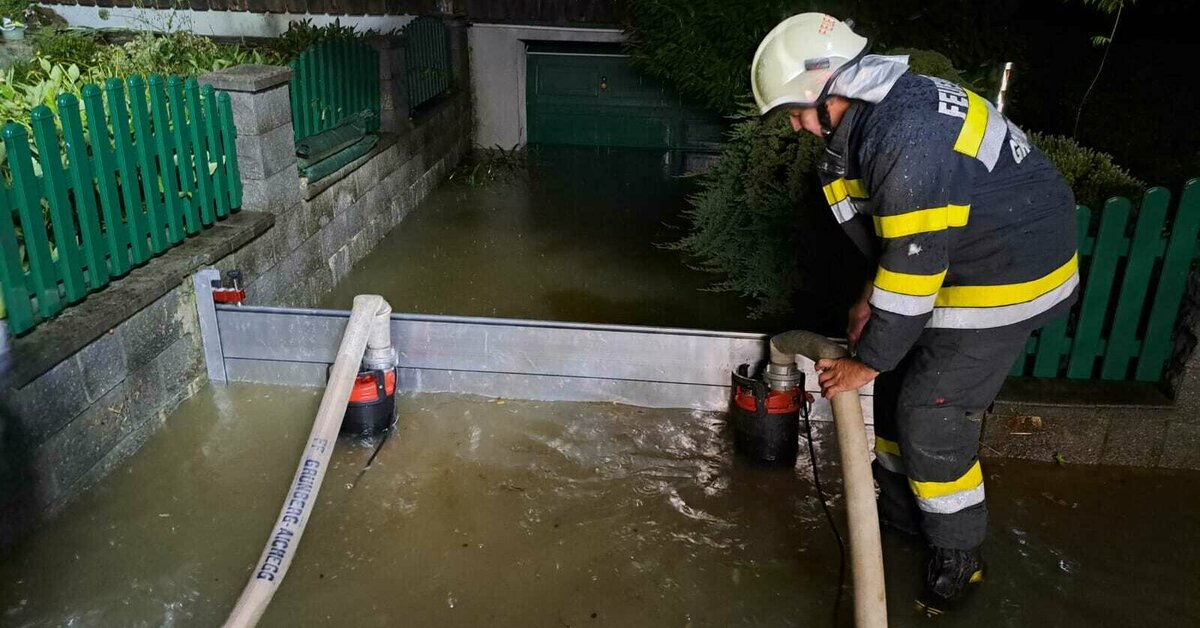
603,82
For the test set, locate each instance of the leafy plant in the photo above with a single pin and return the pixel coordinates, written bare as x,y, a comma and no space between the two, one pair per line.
760,218
180,52
1091,174
302,34
14,9
492,166
78,47
1109,7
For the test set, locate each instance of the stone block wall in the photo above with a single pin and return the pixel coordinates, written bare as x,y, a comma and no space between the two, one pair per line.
73,424
89,387
322,230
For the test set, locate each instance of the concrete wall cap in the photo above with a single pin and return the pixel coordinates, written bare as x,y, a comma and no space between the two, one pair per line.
248,78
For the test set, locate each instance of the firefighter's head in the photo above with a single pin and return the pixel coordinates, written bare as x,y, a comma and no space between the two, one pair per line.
810,118
796,67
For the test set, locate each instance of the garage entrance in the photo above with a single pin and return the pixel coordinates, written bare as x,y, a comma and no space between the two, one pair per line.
588,95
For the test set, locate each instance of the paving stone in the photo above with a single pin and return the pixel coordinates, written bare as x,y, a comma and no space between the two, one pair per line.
104,364
256,114
152,330
339,264
1134,440
260,156
45,405
274,194
65,457
1180,446
1079,440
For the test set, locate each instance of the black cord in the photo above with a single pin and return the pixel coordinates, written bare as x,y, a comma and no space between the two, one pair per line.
812,460
382,441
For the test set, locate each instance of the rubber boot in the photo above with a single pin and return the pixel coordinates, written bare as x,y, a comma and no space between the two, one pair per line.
949,579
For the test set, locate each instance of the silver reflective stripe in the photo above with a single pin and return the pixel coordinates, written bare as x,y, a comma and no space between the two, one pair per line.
844,210
988,317
891,462
952,503
993,138
903,304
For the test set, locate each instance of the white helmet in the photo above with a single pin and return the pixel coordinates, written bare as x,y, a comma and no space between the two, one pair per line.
798,60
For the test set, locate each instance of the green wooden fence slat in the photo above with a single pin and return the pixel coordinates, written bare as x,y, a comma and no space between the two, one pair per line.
116,234
1053,343
229,139
1094,305
200,151
135,215
181,131
102,203
80,174
1172,280
294,99
12,275
62,218
1022,362
147,154
1143,253
164,143
216,152
28,199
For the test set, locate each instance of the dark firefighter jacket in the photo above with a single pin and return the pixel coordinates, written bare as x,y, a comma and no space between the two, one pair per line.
971,226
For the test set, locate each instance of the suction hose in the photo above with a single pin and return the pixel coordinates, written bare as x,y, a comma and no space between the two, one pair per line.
368,331
866,551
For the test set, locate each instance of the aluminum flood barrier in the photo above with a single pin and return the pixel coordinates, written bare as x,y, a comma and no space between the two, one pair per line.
507,358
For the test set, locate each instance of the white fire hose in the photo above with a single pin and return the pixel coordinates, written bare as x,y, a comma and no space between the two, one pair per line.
866,550
367,332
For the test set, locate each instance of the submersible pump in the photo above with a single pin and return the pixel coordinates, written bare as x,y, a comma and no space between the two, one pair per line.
372,406
765,412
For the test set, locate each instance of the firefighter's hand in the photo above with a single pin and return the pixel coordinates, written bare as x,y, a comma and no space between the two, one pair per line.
843,374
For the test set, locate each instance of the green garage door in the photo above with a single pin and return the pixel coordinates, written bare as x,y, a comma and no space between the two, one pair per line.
581,97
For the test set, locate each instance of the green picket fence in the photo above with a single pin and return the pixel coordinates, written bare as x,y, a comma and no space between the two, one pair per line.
119,186
427,65
333,81
1134,274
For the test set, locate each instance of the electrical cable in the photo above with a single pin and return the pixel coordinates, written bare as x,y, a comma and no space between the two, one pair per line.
812,460
382,441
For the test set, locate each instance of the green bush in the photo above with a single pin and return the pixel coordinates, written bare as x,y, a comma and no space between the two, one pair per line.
1091,174
760,219
302,34
14,9
66,46
180,53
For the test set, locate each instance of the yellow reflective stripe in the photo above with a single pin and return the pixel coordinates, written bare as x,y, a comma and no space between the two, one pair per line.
1006,294
839,189
974,126
912,285
930,490
883,445
856,188
922,221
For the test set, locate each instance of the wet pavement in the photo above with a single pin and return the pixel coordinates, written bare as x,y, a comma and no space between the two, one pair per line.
577,237
506,513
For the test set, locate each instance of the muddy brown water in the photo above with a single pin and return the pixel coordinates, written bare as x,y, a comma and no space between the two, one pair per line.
578,236
484,512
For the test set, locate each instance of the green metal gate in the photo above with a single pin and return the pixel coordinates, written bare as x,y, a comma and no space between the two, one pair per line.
588,97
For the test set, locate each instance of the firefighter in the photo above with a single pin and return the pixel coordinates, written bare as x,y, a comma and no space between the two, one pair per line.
972,231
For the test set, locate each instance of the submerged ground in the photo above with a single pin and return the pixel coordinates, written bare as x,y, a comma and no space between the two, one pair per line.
506,513
575,235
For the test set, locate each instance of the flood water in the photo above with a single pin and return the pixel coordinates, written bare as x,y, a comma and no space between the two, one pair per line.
576,237
484,512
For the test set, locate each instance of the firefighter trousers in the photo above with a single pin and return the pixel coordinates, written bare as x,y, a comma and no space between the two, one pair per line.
928,415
